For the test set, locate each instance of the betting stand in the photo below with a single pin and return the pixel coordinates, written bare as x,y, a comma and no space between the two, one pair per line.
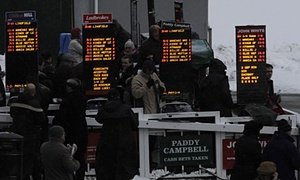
21,56
250,64
99,52
175,66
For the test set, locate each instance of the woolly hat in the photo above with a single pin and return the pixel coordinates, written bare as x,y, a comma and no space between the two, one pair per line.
75,33
129,44
252,128
283,125
56,132
73,83
266,168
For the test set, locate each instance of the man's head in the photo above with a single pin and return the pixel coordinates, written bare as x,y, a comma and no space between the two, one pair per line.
126,62
129,47
30,89
113,94
284,126
57,133
154,32
73,84
75,33
269,71
252,128
148,67
267,168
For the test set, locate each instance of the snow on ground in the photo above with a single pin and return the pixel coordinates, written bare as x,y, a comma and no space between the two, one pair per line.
285,59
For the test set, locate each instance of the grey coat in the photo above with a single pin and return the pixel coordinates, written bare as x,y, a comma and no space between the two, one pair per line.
57,161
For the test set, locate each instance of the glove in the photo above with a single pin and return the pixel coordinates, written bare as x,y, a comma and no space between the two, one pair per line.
150,83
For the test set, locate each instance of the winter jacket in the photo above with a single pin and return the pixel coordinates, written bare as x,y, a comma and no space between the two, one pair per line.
71,116
57,161
28,117
215,94
75,50
151,47
282,150
247,158
150,95
117,157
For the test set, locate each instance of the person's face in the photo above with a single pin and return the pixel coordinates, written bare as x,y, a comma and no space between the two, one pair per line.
269,72
128,50
155,34
125,62
148,71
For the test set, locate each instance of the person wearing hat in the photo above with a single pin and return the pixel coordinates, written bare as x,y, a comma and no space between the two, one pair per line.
57,159
71,116
282,150
116,155
147,86
247,153
267,170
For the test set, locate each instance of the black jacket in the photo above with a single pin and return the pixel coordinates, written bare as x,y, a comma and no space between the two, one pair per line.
215,94
247,158
28,116
117,156
71,116
283,152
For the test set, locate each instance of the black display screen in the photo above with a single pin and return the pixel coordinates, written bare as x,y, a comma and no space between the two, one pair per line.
21,50
175,65
99,52
250,64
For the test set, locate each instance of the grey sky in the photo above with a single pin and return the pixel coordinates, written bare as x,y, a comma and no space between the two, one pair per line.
280,17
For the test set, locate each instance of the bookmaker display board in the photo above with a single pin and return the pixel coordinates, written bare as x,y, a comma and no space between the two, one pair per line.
99,52
175,65
250,64
21,56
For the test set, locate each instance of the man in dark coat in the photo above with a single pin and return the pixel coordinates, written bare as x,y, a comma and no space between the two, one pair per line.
28,117
214,90
150,48
57,158
247,153
282,150
71,116
116,157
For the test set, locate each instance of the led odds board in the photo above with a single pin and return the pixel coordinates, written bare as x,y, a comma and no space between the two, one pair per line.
98,53
250,64
175,65
21,49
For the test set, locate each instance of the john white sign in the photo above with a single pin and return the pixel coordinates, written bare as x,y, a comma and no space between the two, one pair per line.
186,150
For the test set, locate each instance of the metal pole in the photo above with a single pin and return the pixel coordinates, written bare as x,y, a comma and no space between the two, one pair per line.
151,12
96,4
134,22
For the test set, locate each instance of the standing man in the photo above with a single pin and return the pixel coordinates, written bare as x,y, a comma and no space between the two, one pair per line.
116,156
28,117
71,116
273,99
282,150
148,86
247,153
150,48
214,91
58,159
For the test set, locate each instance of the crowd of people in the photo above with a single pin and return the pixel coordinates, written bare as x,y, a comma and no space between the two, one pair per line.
59,152
278,160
